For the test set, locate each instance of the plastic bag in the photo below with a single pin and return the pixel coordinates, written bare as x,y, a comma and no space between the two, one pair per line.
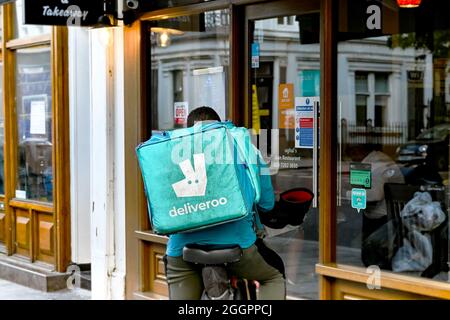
421,213
416,254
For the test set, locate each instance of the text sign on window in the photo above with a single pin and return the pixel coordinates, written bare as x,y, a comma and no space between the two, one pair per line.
361,175
37,117
304,121
63,13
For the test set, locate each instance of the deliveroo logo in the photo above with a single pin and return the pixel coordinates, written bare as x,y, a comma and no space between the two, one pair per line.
194,183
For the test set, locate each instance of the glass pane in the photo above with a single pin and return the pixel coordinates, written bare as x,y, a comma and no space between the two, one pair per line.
23,31
361,82
2,135
1,24
393,178
381,83
190,61
285,86
361,110
34,116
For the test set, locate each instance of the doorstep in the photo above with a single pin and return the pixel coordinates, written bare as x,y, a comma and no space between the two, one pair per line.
32,275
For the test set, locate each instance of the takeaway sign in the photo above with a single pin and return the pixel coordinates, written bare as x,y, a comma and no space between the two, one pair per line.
63,12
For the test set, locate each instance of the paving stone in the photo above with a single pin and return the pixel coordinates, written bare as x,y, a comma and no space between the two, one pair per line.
13,291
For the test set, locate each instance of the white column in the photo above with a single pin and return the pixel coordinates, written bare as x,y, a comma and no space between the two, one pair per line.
107,165
118,275
79,101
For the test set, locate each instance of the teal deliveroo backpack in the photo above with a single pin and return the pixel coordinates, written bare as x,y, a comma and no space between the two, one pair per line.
199,177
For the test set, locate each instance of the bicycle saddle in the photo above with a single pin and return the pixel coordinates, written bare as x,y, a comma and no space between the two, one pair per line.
211,255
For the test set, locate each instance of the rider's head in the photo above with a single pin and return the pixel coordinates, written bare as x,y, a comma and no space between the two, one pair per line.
202,114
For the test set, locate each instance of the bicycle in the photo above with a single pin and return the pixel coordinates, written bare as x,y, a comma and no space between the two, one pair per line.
218,284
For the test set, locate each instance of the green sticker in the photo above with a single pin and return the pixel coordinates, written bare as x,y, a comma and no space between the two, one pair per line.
361,175
359,199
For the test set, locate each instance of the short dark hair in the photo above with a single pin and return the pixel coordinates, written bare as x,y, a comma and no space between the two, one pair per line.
202,114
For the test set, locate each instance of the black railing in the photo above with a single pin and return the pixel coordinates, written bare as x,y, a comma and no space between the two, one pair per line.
389,134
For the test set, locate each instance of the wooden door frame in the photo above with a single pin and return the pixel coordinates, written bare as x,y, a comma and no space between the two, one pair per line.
136,218
137,234
57,41
328,142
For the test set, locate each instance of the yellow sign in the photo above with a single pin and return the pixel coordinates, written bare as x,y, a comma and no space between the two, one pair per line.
256,122
264,112
286,118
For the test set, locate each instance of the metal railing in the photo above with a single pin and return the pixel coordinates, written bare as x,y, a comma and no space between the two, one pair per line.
388,134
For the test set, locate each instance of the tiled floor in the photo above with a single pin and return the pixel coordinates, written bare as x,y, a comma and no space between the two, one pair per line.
13,291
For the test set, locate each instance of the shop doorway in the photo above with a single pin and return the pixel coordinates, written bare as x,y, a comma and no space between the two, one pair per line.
283,104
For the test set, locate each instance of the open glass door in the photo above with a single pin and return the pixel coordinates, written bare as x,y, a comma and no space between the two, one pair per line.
284,100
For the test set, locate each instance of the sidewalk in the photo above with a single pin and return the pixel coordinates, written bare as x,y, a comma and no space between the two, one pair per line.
13,291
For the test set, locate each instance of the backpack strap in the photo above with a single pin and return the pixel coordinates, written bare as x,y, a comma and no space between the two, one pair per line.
257,225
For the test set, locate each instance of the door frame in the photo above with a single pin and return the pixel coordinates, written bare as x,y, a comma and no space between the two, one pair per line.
56,214
145,249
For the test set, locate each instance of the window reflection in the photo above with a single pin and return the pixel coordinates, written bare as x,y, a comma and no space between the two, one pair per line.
1,24
190,59
34,116
20,29
394,128
285,64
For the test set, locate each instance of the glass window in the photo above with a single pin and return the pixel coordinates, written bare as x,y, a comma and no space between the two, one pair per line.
361,85
34,116
394,178
1,24
190,61
381,83
361,110
285,90
22,30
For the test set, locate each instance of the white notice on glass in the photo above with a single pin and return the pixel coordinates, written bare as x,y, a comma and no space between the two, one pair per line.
21,194
37,117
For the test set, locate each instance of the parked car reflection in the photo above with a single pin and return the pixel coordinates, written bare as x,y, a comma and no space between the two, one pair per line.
430,147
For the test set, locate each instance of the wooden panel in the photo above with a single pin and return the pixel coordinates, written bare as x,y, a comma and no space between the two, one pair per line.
61,143
388,281
154,276
45,238
33,205
328,142
134,133
2,227
10,126
23,232
40,40
347,290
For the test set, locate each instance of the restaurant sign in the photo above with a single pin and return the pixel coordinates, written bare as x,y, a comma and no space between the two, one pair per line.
63,12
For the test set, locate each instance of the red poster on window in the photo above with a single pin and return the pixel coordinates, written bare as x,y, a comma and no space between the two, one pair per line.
181,110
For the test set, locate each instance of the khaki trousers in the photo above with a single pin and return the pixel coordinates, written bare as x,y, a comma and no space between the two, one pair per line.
257,263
